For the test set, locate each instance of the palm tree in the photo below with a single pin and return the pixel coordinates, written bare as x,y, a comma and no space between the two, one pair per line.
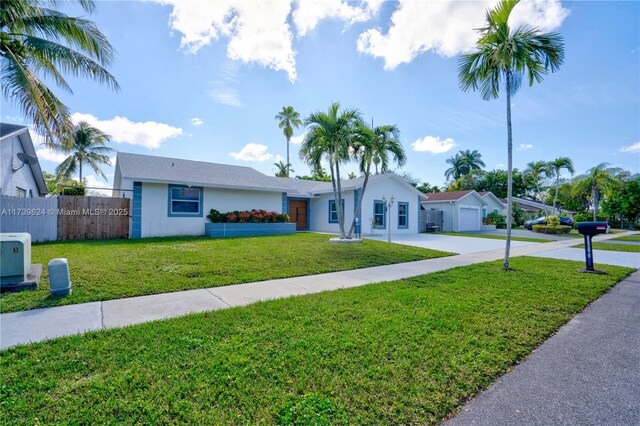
599,180
87,147
457,169
283,169
369,144
35,39
472,160
556,167
503,55
352,175
289,118
537,171
330,137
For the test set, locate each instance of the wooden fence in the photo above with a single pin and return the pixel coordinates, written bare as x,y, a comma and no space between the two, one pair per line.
435,217
66,217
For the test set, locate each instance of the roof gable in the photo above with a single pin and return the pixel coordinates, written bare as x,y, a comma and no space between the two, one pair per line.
22,133
452,196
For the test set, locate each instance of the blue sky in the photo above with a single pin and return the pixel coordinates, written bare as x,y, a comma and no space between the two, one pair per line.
199,85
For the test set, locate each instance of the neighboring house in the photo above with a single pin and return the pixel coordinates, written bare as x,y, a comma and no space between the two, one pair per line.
535,209
173,197
17,177
494,204
462,210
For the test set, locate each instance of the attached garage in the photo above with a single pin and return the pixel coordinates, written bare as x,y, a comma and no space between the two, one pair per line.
469,219
462,210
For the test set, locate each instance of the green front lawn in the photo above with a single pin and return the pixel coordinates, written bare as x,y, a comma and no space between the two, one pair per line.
613,247
635,237
112,269
496,237
403,352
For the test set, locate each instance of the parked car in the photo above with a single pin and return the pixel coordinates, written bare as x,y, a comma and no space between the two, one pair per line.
543,221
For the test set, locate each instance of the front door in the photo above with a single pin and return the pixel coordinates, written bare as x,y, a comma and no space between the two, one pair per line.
298,213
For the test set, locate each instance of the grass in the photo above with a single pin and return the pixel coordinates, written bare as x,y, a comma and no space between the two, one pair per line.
403,352
112,269
613,247
635,237
496,237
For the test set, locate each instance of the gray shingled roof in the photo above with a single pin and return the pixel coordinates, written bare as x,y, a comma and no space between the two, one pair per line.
148,168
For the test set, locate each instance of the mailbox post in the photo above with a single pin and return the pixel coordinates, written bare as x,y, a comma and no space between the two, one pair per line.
589,229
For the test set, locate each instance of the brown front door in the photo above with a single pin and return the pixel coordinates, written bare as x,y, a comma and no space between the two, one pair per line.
298,213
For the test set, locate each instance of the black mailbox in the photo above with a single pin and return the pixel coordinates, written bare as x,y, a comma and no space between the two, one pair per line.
589,229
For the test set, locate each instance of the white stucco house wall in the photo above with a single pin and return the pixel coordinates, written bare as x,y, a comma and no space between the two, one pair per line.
494,204
172,197
17,178
462,210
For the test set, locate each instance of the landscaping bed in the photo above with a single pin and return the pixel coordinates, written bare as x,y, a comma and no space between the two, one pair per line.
404,352
112,269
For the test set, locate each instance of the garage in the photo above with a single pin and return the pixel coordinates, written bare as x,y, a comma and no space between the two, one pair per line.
469,219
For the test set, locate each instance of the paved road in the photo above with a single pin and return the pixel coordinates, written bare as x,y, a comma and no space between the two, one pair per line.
600,257
586,374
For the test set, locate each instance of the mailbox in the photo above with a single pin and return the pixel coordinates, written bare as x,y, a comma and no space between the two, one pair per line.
589,229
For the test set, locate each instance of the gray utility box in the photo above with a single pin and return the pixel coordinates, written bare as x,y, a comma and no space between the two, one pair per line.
15,257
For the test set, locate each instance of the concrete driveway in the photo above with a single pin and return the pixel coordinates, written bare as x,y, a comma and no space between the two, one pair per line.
461,245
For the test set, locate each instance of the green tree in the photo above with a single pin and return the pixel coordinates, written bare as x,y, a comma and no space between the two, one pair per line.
625,202
371,143
330,137
288,119
37,41
599,181
283,169
462,163
537,172
426,188
87,147
556,166
503,56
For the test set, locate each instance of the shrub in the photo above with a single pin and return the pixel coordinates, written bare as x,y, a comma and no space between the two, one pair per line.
74,190
247,216
487,221
588,217
546,229
499,220
553,221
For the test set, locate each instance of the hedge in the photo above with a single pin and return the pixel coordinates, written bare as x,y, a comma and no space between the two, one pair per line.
546,229
247,216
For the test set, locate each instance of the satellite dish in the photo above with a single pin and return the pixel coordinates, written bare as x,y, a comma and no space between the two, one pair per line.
26,159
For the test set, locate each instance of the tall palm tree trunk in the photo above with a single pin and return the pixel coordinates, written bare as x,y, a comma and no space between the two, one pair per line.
80,171
594,198
339,209
288,155
359,208
555,199
507,248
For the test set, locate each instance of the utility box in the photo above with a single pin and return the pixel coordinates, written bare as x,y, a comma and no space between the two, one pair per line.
15,257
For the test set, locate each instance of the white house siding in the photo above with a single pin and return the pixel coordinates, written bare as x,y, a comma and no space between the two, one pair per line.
454,219
319,212
23,178
388,188
157,223
493,205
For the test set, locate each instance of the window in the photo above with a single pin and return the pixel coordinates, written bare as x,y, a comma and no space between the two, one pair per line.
378,215
185,201
484,212
20,192
333,211
403,215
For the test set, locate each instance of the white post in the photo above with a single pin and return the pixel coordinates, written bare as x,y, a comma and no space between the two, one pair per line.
388,205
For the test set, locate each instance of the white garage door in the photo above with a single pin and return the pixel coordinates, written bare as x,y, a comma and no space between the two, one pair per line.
469,219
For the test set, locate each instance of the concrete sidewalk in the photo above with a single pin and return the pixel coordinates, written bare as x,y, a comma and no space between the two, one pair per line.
42,324
586,374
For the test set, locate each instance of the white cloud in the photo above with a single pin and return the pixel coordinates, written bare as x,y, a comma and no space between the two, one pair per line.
254,152
93,182
47,154
433,144
149,134
258,32
195,121
633,148
227,97
447,27
310,12
500,166
297,140
524,147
